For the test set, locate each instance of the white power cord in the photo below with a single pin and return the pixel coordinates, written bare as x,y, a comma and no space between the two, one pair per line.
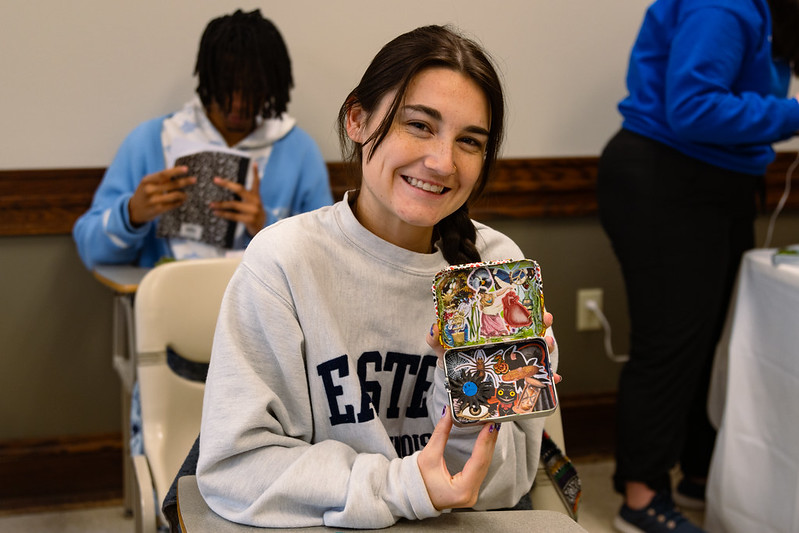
594,308
781,203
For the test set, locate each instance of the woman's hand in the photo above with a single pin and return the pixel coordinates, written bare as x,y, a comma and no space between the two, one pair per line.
249,210
434,341
449,491
550,340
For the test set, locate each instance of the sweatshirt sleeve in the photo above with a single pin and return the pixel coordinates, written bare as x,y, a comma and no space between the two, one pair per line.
259,460
702,103
104,234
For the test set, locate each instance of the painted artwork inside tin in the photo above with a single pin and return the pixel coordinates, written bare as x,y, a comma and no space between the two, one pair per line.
498,381
489,302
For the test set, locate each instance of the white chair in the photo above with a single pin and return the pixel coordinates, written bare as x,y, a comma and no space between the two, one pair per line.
176,306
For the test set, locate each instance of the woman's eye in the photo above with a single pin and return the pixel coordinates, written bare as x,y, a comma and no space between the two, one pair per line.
421,126
472,143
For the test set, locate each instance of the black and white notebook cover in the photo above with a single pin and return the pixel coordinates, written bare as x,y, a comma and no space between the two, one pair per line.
194,220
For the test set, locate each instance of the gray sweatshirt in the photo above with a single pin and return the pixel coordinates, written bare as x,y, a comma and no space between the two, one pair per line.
322,389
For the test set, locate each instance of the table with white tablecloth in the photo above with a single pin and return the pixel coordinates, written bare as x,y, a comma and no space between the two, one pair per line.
754,474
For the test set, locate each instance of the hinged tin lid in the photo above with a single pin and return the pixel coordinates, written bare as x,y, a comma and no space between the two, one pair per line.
494,301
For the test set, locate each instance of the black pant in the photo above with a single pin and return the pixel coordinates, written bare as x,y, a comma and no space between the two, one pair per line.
679,228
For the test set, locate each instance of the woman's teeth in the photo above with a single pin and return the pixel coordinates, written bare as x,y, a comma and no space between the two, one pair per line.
437,189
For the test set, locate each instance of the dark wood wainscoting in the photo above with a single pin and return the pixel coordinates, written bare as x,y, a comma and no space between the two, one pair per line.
48,201
60,472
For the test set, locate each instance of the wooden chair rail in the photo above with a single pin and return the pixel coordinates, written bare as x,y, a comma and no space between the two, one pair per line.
48,201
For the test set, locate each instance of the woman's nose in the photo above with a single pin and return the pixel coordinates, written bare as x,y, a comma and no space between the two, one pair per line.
441,159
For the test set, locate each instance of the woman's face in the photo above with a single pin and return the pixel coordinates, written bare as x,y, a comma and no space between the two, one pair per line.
429,162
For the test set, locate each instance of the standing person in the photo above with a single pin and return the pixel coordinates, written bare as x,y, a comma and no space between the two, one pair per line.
325,400
707,85
244,73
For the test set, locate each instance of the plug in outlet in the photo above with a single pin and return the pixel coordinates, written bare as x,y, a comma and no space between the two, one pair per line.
586,319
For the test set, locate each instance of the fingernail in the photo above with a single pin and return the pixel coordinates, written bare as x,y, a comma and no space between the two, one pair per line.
431,329
444,411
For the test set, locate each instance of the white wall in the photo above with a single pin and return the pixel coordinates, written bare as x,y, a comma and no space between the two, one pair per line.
78,75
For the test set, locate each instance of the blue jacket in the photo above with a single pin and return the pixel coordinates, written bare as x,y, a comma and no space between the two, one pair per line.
104,234
701,79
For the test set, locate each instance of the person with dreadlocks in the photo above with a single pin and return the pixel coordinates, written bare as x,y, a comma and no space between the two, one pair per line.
245,78
707,96
244,74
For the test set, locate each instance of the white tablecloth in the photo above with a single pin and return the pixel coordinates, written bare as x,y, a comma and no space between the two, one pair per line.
754,474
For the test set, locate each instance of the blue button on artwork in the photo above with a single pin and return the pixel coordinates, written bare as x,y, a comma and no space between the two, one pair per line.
470,388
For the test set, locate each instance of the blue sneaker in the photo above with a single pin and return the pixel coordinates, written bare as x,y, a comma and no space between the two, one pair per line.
661,516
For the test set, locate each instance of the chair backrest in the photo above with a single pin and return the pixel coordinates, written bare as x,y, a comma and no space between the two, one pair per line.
176,306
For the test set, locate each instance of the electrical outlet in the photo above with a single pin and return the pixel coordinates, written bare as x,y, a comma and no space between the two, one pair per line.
586,319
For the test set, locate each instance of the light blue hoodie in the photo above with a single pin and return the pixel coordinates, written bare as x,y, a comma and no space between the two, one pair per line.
294,181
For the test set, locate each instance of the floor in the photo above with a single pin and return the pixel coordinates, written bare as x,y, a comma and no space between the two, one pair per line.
598,507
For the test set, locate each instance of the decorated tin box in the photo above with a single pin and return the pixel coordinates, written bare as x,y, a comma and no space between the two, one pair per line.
491,320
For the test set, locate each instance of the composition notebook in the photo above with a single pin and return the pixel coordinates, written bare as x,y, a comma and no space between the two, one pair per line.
491,322
194,220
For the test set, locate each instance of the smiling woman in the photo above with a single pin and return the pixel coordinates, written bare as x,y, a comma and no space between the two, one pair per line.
325,404
429,162
464,91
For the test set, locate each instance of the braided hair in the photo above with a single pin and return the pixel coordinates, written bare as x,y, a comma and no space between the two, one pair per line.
244,52
393,68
